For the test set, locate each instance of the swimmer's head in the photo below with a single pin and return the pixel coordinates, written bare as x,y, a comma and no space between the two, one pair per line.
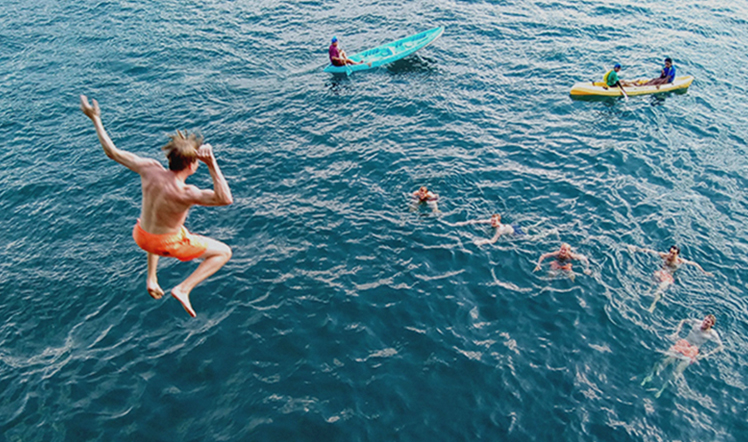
495,220
674,250
182,150
709,321
565,248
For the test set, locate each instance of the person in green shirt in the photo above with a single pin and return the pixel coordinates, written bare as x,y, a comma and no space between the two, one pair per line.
611,79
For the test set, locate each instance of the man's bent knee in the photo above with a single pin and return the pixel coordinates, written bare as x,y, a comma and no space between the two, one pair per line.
217,248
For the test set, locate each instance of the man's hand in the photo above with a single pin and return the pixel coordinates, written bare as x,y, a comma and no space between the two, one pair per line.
205,154
90,111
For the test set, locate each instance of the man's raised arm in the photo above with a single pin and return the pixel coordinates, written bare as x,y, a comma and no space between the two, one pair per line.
127,159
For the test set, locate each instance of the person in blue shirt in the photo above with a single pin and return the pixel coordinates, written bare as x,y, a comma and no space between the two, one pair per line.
666,76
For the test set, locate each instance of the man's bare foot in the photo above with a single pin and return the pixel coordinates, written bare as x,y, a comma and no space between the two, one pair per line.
184,299
154,290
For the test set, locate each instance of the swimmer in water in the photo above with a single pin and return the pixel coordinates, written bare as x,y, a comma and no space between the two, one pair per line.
564,256
424,195
672,261
686,351
167,199
495,221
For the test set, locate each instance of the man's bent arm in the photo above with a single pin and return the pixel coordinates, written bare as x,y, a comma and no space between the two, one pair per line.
220,185
678,329
697,266
719,348
585,261
542,257
221,194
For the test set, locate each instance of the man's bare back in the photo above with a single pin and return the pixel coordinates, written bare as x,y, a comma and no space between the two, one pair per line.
166,198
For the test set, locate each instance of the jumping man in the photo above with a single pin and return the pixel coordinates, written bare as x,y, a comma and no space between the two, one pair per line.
166,201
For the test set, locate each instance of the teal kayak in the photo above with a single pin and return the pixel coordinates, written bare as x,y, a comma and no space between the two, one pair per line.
387,53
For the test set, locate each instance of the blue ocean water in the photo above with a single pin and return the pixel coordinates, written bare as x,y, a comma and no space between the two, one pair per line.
345,314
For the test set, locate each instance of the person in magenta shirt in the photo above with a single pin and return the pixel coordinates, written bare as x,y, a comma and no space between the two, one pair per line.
337,55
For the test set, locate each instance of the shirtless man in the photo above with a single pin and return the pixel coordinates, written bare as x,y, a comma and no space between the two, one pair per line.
166,200
424,195
686,351
672,261
495,221
564,256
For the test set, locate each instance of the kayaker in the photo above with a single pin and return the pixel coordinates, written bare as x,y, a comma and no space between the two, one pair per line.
686,351
338,57
611,79
564,256
666,76
671,262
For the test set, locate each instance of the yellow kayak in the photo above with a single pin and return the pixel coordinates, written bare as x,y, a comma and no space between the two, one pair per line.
597,89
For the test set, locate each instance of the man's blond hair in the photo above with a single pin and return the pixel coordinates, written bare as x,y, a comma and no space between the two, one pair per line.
182,150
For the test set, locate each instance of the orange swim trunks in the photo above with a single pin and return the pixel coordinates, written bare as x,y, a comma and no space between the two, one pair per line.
181,245
686,349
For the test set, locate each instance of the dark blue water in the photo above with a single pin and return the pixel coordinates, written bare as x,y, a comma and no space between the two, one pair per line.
346,315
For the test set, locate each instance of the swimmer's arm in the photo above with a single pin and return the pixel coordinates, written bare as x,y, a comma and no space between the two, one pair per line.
678,329
474,221
127,159
719,348
542,257
586,262
634,249
685,261
492,240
